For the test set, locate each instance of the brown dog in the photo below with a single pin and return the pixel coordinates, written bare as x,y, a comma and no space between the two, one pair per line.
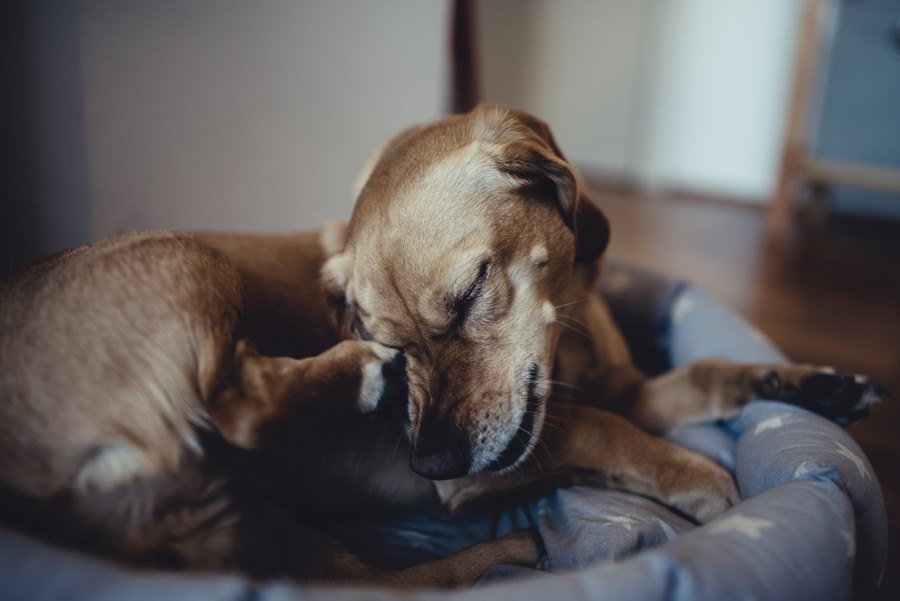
125,364
118,359
474,248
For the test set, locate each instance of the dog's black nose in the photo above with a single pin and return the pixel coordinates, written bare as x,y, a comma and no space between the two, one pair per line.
441,462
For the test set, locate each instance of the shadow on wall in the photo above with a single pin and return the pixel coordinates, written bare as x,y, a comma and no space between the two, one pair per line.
43,167
213,114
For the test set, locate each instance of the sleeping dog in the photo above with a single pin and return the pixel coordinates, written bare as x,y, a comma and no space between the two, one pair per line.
201,400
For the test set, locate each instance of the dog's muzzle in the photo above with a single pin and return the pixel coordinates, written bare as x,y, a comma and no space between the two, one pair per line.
521,442
443,452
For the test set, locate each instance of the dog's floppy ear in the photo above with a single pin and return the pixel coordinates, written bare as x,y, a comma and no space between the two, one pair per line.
533,158
591,231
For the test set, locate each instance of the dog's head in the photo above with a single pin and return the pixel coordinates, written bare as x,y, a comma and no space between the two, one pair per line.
462,248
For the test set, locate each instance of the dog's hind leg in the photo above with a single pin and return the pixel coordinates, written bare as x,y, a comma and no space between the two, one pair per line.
712,389
271,543
350,377
464,567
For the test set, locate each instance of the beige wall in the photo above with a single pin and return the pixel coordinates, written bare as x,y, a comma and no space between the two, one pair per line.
248,115
576,64
125,114
714,103
685,94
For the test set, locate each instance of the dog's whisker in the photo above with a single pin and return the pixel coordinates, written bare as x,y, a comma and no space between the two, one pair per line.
536,460
575,302
397,444
552,425
561,383
570,396
542,444
518,469
566,325
576,330
571,387
565,394
576,320
550,419
573,319
384,431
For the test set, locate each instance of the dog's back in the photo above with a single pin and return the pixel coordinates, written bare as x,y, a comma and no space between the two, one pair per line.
106,354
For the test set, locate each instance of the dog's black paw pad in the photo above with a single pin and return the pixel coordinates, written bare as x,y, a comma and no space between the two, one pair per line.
841,397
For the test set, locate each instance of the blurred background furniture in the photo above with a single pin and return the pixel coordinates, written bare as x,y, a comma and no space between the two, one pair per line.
842,149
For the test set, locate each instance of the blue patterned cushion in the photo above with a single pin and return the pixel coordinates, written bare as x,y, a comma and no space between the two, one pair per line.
812,524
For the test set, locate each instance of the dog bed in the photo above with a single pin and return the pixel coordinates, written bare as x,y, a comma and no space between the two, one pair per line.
812,524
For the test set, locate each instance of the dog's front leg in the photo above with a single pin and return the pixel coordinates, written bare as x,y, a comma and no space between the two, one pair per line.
625,457
586,445
350,377
712,389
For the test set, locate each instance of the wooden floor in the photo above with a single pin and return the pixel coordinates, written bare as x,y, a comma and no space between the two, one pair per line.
827,294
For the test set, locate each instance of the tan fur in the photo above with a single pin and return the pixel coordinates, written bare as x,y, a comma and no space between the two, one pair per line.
135,370
117,356
492,188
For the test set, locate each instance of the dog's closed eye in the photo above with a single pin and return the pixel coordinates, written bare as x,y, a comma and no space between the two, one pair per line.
461,306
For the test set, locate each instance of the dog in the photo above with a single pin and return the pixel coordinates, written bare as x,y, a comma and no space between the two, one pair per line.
130,399
179,399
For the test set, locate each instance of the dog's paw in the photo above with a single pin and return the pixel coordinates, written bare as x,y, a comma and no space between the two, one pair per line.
842,397
707,491
383,378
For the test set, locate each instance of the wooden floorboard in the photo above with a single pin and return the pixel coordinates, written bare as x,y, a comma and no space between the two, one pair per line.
827,294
